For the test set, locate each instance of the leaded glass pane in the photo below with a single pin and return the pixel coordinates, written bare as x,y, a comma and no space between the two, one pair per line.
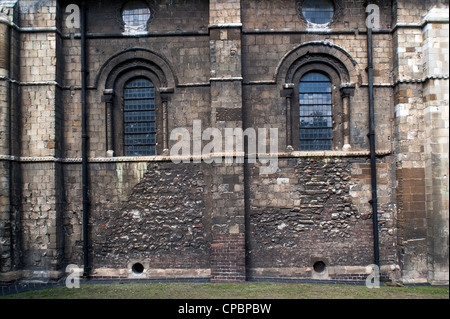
316,127
318,11
139,118
136,13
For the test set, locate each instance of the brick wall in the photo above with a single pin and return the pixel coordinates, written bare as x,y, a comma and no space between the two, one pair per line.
228,258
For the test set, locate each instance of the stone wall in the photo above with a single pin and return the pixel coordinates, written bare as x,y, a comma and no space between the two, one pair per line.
436,116
162,220
316,209
415,72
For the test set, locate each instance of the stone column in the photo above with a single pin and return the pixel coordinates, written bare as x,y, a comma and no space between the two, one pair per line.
228,215
165,96
108,98
346,93
5,151
421,127
287,92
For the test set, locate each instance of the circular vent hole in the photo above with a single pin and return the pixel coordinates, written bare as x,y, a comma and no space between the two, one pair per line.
137,268
319,266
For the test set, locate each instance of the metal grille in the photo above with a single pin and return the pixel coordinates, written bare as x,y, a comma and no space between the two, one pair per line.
136,13
139,118
316,130
318,11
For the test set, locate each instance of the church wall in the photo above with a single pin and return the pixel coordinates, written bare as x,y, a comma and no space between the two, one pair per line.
227,64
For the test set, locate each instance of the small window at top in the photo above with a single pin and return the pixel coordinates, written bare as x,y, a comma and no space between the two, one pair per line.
135,15
318,11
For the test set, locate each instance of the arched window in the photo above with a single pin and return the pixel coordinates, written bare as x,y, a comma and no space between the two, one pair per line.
318,87
315,109
137,88
139,119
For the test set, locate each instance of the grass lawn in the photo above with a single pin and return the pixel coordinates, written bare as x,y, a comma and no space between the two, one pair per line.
232,291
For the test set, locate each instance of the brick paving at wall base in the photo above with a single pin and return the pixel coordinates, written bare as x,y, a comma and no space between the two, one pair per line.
228,258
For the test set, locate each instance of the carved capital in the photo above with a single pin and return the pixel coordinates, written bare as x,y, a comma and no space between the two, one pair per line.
165,93
288,90
347,90
108,95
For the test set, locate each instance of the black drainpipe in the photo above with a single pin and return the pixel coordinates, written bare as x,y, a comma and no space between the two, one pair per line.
373,167
84,140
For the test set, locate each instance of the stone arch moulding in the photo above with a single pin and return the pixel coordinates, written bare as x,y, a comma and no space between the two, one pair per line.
334,61
319,52
135,58
126,65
